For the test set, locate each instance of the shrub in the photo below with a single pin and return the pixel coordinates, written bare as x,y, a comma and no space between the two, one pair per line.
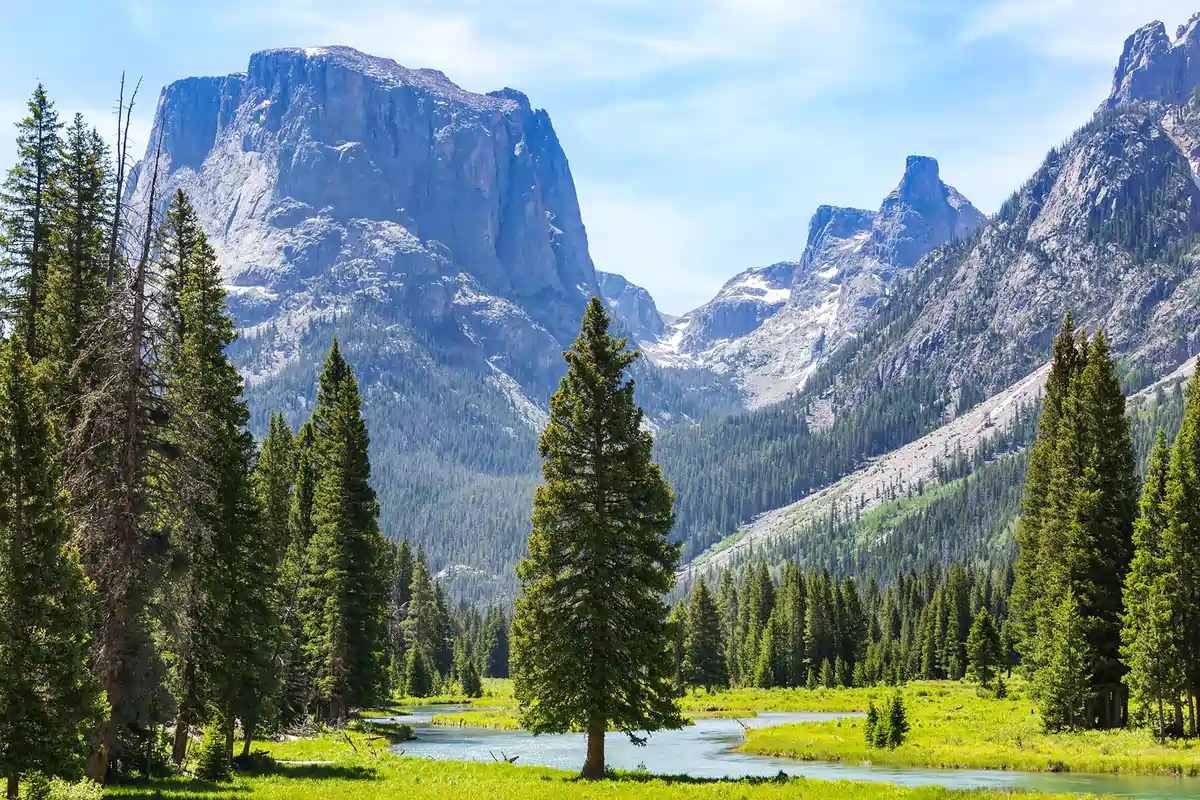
213,763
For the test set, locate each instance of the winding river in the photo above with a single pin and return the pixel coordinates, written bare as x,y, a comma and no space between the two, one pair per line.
706,750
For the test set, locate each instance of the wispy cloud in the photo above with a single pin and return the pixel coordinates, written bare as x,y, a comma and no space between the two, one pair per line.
1075,30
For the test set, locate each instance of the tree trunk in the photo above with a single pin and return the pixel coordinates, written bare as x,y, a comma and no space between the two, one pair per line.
593,767
179,749
1162,722
97,766
248,729
229,729
13,785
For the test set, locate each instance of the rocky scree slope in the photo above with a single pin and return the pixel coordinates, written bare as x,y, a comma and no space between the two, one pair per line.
1107,227
438,233
770,328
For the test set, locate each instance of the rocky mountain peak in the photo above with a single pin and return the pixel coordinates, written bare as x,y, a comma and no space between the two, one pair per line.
921,213
632,306
921,183
1153,68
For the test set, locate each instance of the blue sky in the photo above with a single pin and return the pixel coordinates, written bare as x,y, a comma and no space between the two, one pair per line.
702,134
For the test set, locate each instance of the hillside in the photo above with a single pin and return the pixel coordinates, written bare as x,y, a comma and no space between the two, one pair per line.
1105,227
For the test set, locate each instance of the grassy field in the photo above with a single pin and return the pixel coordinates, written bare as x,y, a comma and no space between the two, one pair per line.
953,727
349,775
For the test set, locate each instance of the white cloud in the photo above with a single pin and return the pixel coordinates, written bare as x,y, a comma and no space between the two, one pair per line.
1075,30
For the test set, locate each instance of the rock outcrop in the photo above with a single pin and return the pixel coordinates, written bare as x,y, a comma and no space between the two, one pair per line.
633,306
770,328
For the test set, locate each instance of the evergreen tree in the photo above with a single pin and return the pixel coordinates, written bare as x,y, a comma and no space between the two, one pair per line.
591,644
344,585
421,624
727,605
76,267
871,723
295,683
50,701
984,653
125,476
495,644
26,217
468,675
704,654
1028,591
1181,548
1083,497
234,559
1060,685
417,680
791,602
677,624
897,725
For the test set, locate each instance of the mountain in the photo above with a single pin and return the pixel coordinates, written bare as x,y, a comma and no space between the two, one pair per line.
771,328
632,305
437,232
1106,227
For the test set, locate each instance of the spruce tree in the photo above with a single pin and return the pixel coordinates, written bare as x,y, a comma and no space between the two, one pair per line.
229,620
678,626
591,644
1149,641
344,585
704,653
421,622
984,653
50,700
295,684
1060,686
1028,590
26,220
1181,548
496,644
417,680
76,268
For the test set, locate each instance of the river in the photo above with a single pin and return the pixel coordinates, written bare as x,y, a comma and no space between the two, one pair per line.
706,750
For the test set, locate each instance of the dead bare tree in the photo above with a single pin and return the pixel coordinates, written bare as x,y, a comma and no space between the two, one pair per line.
120,474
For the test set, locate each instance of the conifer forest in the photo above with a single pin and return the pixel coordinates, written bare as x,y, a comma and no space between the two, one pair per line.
296,501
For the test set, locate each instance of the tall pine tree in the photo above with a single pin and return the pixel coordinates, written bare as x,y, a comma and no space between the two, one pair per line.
591,645
50,701
344,585
26,215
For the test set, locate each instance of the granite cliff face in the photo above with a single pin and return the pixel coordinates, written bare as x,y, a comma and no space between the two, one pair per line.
327,177
770,328
1155,69
633,306
435,231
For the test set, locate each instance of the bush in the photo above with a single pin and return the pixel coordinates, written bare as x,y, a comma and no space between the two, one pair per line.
38,787
214,764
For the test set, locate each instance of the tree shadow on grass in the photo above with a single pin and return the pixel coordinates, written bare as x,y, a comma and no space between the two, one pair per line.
341,772
648,777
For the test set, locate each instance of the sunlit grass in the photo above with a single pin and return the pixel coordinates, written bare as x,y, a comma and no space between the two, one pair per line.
953,727
387,777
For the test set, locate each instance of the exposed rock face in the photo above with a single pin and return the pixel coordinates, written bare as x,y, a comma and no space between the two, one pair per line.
326,177
633,306
1152,68
805,309
438,234
1107,228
